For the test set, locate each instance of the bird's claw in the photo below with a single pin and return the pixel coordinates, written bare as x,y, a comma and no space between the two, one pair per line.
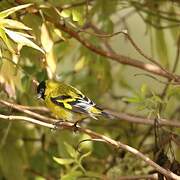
56,125
75,127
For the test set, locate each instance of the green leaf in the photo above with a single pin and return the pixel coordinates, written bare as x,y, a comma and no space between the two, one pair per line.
73,175
144,90
25,83
7,12
77,14
21,39
71,151
63,161
161,47
9,23
135,99
174,92
84,156
39,178
66,13
6,41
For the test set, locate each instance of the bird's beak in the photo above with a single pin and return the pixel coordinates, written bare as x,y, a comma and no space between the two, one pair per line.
38,95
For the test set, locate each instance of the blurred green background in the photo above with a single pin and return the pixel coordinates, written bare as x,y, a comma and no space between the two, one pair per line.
29,151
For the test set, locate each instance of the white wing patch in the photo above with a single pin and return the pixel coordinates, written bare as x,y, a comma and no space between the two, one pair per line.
85,103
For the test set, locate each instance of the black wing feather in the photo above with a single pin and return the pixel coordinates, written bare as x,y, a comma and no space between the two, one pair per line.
78,106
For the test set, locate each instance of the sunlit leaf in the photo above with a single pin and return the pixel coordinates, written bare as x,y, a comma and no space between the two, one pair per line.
25,35
7,12
9,23
59,33
20,39
63,161
66,13
6,41
51,62
135,99
76,15
46,39
80,64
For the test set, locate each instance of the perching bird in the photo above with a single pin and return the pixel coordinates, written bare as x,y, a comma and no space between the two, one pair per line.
65,101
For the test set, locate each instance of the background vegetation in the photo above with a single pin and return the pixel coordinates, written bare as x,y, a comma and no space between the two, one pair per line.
122,54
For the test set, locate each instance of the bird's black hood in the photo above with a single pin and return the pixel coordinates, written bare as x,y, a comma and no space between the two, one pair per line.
41,89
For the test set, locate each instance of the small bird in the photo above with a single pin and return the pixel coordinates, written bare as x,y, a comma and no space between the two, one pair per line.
65,101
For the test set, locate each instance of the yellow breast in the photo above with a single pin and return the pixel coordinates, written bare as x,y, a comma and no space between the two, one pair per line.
58,111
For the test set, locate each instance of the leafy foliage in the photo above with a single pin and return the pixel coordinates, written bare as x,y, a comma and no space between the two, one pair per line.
33,47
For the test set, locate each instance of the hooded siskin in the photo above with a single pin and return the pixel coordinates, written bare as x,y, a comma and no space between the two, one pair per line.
65,101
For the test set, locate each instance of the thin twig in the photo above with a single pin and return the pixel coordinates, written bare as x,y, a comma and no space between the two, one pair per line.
142,177
121,116
26,111
104,35
173,70
116,57
116,144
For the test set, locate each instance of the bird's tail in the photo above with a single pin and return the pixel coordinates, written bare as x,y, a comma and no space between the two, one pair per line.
107,115
102,112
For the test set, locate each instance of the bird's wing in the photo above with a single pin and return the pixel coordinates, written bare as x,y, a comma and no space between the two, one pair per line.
79,104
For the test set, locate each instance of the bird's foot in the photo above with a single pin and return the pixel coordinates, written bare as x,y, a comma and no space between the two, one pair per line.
57,125
75,127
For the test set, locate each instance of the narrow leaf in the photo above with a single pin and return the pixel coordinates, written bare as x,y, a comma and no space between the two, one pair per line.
59,33
84,156
80,64
161,47
71,151
6,40
63,161
7,12
51,62
20,39
9,23
46,39
25,35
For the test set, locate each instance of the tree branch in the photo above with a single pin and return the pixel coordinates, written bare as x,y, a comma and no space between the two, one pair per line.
143,120
116,144
148,177
114,56
121,116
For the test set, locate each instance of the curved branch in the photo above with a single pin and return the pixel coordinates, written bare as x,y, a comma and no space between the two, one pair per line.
122,116
143,120
116,144
116,57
